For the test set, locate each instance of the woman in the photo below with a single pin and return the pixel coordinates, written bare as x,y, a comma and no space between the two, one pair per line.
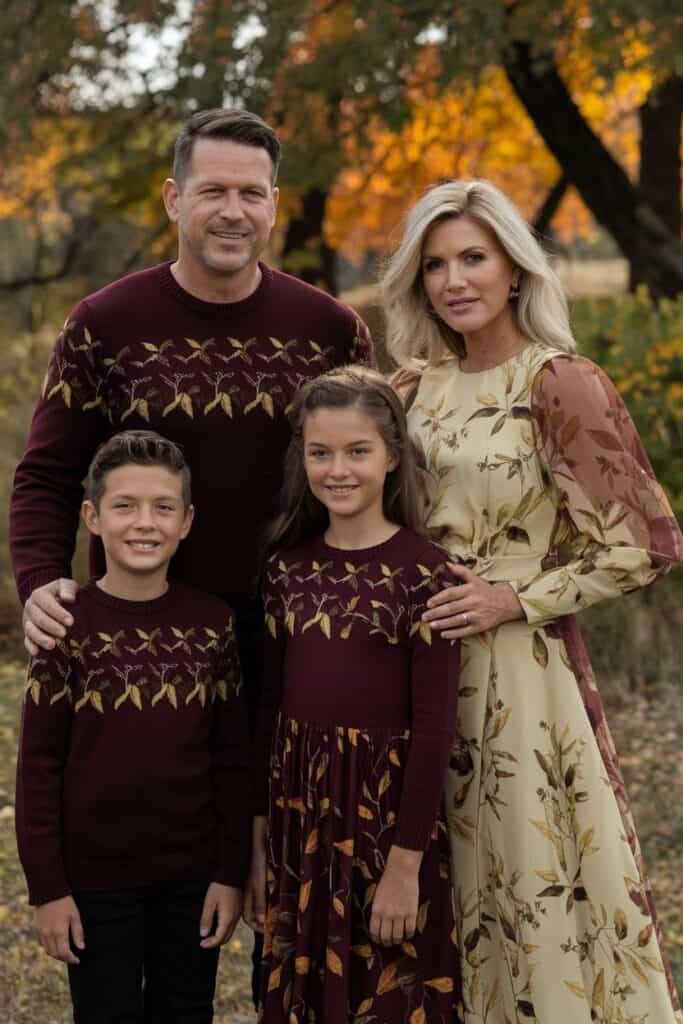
539,486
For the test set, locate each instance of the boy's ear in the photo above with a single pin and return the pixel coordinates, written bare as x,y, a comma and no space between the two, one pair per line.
187,522
90,517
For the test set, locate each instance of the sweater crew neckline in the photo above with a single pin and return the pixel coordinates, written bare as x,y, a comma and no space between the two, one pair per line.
213,310
353,554
134,608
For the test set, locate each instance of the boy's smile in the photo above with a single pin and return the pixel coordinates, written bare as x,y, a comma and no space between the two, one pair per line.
141,519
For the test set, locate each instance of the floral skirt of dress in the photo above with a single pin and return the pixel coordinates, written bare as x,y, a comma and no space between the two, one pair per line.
553,905
335,795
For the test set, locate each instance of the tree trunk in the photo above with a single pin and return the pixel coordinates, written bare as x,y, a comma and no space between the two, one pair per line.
305,253
602,183
660,158
549,207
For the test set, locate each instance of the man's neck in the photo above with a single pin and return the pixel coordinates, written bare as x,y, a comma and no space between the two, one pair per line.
222,288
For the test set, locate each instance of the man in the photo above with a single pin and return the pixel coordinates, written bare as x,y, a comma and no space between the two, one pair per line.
208,351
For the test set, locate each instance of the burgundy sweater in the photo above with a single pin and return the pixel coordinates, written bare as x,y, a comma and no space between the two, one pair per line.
215,378
345,646
133,755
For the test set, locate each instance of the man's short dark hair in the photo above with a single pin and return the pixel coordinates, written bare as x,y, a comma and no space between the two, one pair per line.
136,448
234,126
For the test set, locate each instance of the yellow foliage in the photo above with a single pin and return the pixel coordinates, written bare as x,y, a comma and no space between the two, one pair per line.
482,131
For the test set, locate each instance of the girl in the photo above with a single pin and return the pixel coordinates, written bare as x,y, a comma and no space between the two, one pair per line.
359,922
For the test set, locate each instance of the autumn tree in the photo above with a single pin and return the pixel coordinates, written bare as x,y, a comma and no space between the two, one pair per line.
369,68
328,72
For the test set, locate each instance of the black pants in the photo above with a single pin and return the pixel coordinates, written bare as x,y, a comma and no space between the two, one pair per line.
143,963
249,629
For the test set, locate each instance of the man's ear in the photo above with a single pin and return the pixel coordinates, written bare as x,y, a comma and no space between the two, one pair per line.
90,517
187,522
170,193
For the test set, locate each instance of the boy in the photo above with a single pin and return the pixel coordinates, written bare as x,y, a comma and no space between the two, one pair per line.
132,820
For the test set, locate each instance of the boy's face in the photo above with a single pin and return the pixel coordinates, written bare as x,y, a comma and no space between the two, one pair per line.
141,520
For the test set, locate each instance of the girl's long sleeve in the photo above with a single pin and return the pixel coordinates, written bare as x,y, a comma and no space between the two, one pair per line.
273,659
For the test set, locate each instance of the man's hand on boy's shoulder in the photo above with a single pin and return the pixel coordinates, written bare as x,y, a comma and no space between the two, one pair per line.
56,923
45,620
220,914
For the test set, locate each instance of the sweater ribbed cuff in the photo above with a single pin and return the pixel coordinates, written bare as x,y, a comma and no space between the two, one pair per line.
46,891
27,584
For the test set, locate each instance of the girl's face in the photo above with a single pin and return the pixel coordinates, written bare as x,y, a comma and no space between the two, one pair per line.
346,462
467,276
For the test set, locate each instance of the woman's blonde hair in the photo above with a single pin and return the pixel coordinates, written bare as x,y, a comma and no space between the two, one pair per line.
302,516
414,331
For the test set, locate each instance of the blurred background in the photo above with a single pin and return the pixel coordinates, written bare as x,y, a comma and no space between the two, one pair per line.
571,106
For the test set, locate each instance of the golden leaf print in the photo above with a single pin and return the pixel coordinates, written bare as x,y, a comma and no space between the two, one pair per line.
537,479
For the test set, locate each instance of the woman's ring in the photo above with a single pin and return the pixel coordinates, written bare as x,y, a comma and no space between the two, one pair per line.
465,619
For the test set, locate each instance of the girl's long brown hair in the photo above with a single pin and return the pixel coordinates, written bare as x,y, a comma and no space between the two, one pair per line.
302,516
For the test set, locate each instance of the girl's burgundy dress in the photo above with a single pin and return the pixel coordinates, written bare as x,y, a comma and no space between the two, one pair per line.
358,751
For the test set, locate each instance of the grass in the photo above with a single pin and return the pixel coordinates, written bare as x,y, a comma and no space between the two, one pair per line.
33,987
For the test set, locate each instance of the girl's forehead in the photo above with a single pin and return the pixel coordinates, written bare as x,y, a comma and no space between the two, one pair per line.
347,423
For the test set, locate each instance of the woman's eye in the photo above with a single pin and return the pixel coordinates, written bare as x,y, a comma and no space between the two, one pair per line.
474,257
431,265
360,451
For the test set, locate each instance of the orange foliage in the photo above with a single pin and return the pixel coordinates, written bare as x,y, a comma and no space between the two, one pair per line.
478,131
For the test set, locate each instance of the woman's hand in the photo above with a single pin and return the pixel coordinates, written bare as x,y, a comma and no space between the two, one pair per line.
472,607
394,907
254,912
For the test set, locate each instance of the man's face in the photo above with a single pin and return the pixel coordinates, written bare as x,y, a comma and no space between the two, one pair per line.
225,210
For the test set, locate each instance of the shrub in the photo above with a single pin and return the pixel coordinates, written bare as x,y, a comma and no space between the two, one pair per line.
640,345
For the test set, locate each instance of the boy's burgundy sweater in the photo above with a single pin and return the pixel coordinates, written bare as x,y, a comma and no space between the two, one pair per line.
133,755
216,378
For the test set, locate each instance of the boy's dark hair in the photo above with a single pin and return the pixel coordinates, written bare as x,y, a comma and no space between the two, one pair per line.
234,126
136,448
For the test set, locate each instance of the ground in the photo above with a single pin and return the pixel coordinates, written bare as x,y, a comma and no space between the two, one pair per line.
647,732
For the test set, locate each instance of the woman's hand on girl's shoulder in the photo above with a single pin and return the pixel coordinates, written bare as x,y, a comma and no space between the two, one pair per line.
471,606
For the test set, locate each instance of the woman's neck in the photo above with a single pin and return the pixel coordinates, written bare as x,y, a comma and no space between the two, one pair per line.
492,345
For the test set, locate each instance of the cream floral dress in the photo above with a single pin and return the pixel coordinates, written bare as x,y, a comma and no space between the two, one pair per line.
536,476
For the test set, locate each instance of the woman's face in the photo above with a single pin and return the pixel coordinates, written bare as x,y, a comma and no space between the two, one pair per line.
467,275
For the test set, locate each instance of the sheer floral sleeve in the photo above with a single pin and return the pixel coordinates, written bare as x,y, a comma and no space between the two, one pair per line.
615,530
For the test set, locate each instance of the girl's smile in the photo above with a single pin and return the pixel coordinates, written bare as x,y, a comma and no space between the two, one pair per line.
346,461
